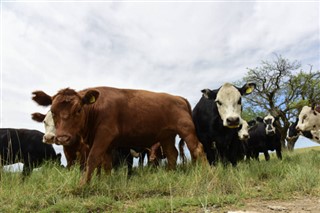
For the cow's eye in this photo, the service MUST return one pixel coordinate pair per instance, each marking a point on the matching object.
(79, 111)
(304, 118)
(218, 103)
(239, 102)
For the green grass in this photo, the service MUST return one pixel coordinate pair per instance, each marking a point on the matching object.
(190, 188)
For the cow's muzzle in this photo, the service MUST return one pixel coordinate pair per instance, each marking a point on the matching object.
(63, 139)
(48, 139)
(233, 122)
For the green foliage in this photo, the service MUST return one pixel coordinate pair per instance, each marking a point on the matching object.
(281, 90)
(190, 188)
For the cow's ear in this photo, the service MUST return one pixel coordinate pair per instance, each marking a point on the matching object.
(42, 98)
(247, 88)
(90, 97)
(38, 117)
(209, 94)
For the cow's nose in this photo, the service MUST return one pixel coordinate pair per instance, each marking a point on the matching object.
(246, 136)
(233, 121)
(48, 138)
(63, 139)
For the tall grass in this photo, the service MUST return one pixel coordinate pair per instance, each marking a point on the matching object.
(191, 188)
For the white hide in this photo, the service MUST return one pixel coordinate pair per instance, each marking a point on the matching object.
(229, 103)
(50, 130)
(309, 119)
(315, 135)
(243, 133)
(268, 121)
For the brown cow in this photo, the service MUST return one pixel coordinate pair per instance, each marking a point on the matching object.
(108, 117)
(76, 151)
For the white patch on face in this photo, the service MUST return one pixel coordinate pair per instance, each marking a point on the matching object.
(315, 135)
(50, 129)
(243, 133)
(308, 120)
(268, 121)
(228, 101)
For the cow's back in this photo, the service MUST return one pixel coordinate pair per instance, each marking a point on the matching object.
(138, 115)
(32, 143)
(20, 145)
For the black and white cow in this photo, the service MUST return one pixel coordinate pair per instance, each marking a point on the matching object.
(293, 133)
(217, 118)
(264, 136)
(25, 146)
(309, 119)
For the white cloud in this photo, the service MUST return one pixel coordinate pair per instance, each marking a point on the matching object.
(178, 48)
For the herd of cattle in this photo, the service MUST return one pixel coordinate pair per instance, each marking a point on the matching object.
(99, 128)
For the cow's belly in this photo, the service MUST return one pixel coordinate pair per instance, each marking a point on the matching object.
(137, 141)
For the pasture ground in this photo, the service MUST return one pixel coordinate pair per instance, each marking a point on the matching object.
(290, 185)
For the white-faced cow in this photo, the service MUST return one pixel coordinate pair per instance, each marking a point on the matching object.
(78, 151)
(25, 145)
(264, 136)
(293, 133)
(107, 118)
(217, 118)
(309, 118)
(74, 152)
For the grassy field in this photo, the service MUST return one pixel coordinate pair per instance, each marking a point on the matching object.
(191, 188)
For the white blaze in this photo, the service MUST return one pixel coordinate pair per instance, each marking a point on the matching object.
(229, 103)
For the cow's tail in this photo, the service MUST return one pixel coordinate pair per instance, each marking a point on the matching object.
(182, 155)
(181, 152)
(188, 105)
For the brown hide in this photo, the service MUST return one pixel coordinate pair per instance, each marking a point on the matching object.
(107, 117)
(74, 152)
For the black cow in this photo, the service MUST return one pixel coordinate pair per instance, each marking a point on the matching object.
(217, 118)
(25, 146)
(263, 137)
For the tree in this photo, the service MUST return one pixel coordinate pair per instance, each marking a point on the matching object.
(281, 91)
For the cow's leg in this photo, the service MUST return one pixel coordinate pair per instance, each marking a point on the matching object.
(279, 155)
(256, 155)
(141, 158)
(71, 156)
(188, 134)
(98, 155)
(129, 161)
(107, 162)
(27, 168)
(266, 155)
(170, 151)
(210, 150)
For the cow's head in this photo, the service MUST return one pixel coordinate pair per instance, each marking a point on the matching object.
(68, 113)
(269, 123)
(292, 131)
(243, 132)
(228, 101)
(315, 135)
(309, 119)
(50, 129)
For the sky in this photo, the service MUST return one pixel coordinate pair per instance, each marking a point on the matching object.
(176, 47)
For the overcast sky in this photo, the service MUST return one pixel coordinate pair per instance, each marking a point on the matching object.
(174, 47)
